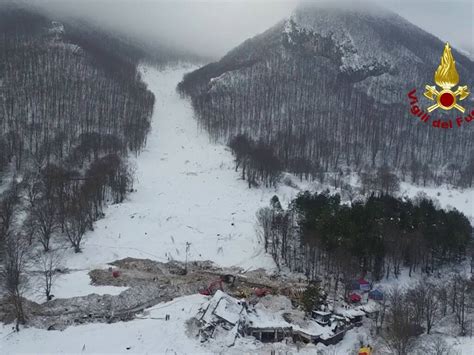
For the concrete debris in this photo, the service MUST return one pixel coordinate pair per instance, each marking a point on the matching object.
(272, 319)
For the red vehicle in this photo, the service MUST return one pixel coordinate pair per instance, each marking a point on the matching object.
(354, 298)
(212, 288)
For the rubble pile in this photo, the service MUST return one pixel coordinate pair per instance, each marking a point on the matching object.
(149, 283)
(60, 313)
(272, 319)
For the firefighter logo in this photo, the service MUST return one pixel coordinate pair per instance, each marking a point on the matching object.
(446, 77)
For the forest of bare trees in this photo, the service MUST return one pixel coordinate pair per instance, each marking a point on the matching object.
(58, 104)
(72, 107)
(290, 95)
(406, 313)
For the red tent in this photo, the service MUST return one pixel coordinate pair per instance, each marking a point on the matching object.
(364, 285)
(354, 298)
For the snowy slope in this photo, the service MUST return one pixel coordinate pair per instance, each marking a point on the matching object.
(462, 200)
(187, 191)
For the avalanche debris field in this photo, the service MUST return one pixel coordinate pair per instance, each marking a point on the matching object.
(149, 283)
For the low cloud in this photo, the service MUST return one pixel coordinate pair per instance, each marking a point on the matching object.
(213, 27)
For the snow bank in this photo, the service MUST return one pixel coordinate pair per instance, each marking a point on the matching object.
(73, 284)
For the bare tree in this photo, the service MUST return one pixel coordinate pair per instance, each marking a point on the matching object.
(349, 192)
(400, 330)
(463, 302)
(50, 263)
(425, 304)
(76, 223)
(264, 225)
(44, 220)
(436, 346)
(416, 298)
(443, 299)
(380, 314)
(387, 182)
(8, 207)
(13, 275)
(368, 183)
(432, 306)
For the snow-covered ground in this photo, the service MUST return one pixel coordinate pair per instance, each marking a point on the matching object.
(187, 192)
(462, 200)
(140, 336)
(72, 284)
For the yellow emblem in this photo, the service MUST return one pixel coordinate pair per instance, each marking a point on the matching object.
(446, 76)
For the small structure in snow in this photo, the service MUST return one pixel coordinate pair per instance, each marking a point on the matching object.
(223, 308)
(321, 317)
(361, 284)
(336, 335)
(265, 324)
(371, 310)
(354, 316)
(376, 295)
(222, 315)
(270, 334)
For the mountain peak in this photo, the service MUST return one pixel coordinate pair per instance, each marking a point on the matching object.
(370, 41)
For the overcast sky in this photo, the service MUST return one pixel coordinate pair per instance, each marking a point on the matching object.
(213, 27)
(450, 20)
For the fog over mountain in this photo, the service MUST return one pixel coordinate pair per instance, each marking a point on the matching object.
(212, 27)
(236, 176)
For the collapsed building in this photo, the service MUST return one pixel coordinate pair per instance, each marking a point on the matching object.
(272, 319)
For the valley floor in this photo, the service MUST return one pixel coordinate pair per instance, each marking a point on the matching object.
(187, 192)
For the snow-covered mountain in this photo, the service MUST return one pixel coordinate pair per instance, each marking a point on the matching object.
(316, 88)
(329, 85)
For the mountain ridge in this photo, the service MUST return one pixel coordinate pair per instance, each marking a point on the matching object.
(310, 93)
